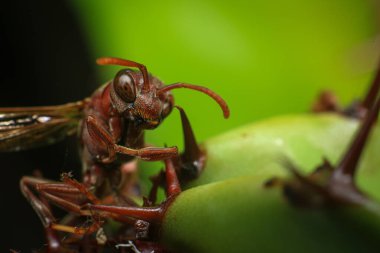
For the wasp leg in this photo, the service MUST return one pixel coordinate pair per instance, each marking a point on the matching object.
(80, 187)
(119, 200)
(42, 210)
(145, 214)
(157, 181)
(188, 165)
(60, 194)
(102, 137)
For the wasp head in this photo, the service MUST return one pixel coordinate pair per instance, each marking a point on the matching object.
(142, 98)
(137, 100)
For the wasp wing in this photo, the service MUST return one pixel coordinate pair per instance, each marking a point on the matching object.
(29, 127)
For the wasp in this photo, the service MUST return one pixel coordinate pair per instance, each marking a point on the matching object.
(110, 125)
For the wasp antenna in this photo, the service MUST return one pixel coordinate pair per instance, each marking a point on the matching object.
(127, 63)
(223, 105)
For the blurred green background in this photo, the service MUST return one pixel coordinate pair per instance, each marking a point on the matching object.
(263, 57)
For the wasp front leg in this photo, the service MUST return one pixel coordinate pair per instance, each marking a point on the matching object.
(146, 217)
(188, 164)
(109, 149)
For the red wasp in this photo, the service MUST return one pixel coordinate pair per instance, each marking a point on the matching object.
(110, 125)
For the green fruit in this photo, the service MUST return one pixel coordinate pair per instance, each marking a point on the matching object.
(228, 210)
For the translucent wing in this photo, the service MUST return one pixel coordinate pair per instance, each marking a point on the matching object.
(29, 127)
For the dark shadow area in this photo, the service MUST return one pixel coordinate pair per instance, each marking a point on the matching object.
(44, 61)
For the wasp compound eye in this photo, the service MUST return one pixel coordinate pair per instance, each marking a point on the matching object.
(168, 106)
(124, 86)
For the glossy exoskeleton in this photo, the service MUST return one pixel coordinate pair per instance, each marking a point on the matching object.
(110, 126)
